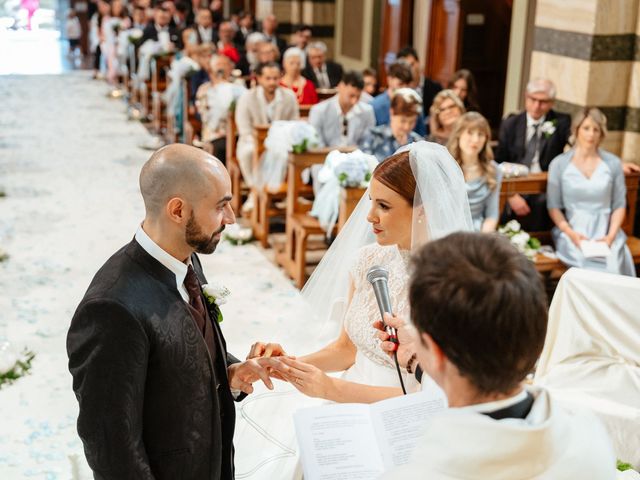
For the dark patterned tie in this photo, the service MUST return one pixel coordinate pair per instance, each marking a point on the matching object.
(532, 146)
(199, 310)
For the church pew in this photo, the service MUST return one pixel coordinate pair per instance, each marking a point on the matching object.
(537, 183)
(237, 185)
(159, 67)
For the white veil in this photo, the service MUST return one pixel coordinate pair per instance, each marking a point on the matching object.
(440, 205)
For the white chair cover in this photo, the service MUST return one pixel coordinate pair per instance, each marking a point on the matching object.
(591, 355)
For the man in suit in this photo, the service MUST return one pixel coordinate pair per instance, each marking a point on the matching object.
(245, 27)
(161, 27)
(261, 105)
(151, 372)
(533, 138)
(322, 72)
(426, 88)
(269, 27)
(343, 119)
(495, 427)
(203, 29)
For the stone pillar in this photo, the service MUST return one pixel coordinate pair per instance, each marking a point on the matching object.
(320, 15)
(591, 50)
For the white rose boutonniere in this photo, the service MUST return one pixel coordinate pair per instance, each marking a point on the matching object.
(216, 294)
(548, 128)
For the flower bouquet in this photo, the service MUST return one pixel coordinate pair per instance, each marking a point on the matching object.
(520, 239)
(237, 235)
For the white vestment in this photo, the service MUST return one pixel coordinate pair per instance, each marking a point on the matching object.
(549, 444)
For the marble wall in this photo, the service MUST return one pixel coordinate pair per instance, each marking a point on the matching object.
(591, 50)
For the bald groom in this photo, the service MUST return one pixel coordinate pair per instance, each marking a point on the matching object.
(150, 368)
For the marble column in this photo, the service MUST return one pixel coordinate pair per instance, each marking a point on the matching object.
(591, 50)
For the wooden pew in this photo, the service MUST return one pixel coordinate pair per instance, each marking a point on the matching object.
(304, 111)
(264, 200)
(191, 125)
(237, 187)
(159, 67)
(324, 93)
(537, 183)
(299, 224)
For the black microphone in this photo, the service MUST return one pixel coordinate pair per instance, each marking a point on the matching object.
(378, 277)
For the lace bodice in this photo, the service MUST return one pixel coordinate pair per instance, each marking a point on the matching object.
(363, 310)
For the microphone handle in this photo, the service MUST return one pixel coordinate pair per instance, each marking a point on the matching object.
(381, 292)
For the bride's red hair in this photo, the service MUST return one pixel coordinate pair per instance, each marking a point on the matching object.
(395, 172)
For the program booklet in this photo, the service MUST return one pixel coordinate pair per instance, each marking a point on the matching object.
(352, 441)
(594, 249)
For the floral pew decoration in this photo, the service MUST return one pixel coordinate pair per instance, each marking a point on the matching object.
(340, 170)
(284, 137)
(13, 364)
(520, 239)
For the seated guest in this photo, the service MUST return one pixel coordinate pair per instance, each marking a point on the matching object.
(293, 63)
(160, 29)
(445, 110)
(382, 141)
(463, 84)
(261, 105)
(533, 138)
(302, 37)
(586, 198)
(322, 72)
(268, 52)
(469, 145)
(183, 16)
(496, 427)
(426, 87)
(225, 44)
(370, 77)
(398, 76)
(213, 101)
(343, 119)
(249, 58)
(139, 17)
(245, 27)
(201, 33)
(269, 27)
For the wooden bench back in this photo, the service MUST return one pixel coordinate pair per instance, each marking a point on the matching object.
(324, 93)
(232, 138)
(537, 183)
(260, 133)
(190, 124)
(298, 162)
(304, 111)
(159, 67)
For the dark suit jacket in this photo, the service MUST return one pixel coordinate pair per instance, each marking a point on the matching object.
(513, 135)
(153, 403)
(151, 33)
(334, 72)
(430, 89)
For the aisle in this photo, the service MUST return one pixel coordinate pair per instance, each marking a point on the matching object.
(69, 164)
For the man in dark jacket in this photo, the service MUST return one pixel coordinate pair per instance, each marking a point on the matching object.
(151, 372)
(322, 72)
(533, 138)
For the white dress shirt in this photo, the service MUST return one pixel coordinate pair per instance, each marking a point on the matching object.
(205, 34)
(489, 407)
(178, 268)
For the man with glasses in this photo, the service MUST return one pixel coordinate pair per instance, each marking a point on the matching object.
(343, 119)
(533, 138)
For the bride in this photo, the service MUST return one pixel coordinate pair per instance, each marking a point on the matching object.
(416, 195)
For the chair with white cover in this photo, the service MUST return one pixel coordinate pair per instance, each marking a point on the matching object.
(591, 356)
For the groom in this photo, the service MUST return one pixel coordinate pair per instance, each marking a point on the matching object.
(150, 367)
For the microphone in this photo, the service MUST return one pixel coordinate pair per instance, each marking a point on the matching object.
(378, 277)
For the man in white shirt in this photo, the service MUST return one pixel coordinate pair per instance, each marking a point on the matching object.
(480, 315)
(343, 119)
(261, 105)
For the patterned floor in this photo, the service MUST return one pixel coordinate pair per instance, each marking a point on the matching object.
(69, 163)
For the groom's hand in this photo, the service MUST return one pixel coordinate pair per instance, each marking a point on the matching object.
(242, 375)
(407, 338)
(260, 349)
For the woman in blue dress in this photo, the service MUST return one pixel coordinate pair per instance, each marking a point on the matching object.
(469, 145)
(586, 198)
(383, 141)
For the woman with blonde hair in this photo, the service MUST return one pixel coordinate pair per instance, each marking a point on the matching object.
(445, 110)
(469, 146)
(586, 198)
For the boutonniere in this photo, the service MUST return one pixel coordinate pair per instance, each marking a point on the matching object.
(548, 128)
(216, 294)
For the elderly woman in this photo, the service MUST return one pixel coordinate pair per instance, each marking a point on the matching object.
(463, 84)
(586, 198)
(445, 110)
(469, 146)
(293, 61)
(382, 141)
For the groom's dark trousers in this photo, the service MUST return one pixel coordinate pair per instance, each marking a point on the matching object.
(154, 401)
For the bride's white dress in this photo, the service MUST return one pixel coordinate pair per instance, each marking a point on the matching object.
(265, 440)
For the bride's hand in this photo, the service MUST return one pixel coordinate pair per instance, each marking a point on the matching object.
(260, 349)
(307, 378)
